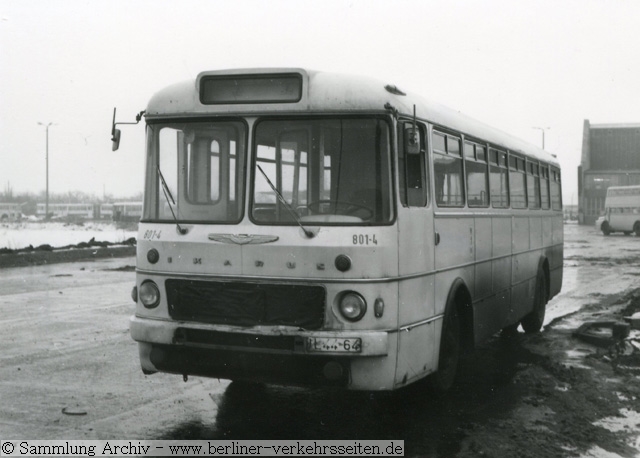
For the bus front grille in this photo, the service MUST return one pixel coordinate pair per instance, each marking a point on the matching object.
(246, 304)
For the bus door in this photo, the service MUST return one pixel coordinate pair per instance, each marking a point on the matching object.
(415, 256)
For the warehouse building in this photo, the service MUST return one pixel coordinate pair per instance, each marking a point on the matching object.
(610, 157)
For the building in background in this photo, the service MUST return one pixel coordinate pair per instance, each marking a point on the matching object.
(610, 157)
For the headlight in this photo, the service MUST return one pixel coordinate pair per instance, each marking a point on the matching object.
(149, 294)
(352, 306)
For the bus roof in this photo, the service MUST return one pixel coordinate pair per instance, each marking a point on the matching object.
(331, 93)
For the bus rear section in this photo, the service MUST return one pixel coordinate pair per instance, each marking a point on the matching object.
(621, 211)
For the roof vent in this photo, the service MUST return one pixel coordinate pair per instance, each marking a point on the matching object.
(394, 89)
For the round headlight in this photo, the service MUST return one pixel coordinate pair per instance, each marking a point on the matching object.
(352, 306)
(153, 256)
(149, 294)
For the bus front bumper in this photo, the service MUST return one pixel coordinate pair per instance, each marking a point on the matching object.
(281, 355)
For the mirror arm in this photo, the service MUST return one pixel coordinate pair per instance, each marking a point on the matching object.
(115, 133)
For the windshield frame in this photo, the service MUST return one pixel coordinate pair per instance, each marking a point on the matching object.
(153, 193)
(391, 153)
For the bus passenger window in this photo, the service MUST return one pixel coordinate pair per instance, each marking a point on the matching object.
(544, 187)
(447, 170)
(533, 185)
(556, 196)
(477, 175)
(498, 179)
(516, 182)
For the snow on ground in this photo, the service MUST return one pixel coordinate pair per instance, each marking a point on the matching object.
(58, 234)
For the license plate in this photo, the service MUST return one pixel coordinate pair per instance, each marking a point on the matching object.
(334, 345)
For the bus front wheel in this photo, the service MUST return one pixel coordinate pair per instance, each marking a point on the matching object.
(534, 320)
(606, 229)
(636, 228)
(450, 349)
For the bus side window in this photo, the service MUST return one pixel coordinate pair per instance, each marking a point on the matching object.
(447, 170)
(544, 186)
(413, 172)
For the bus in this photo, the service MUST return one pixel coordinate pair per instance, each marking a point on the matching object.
(10, 211)
(126, 211)
(621, 211)
(316, 229)
(73, 211)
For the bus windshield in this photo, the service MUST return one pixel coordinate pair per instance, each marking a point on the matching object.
(327, 171)
(195, 171)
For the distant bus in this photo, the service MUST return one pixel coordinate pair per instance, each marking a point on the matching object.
(127, 211)
(309, 228)
(10, 211)
(621, 211)
(106, 211)
(74, 211)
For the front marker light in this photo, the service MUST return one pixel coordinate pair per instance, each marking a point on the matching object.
(149, 294)
(352, 306)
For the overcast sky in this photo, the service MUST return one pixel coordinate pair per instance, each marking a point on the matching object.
(513, 64)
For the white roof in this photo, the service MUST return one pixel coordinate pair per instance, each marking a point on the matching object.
(333, 93)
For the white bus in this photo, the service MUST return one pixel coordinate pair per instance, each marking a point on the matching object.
(77, 210)
(309, 228)
(621, 211)
(126, 211)
(10, 211)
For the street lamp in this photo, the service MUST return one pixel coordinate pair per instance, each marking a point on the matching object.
(542, 129)
(46, 209)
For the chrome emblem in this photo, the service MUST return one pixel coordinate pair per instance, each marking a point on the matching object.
(243, 239)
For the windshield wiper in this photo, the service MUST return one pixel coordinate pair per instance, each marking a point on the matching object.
(306, 231)
(169, 198)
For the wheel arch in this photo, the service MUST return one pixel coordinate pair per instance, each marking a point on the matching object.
(543, 264)
(460, 297)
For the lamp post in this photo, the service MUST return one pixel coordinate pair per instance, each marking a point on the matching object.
(542, 129)
(46, 209)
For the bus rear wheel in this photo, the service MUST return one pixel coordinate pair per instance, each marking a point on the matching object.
(450, 349)
(636, 228)
(606, 229)
(534, 320)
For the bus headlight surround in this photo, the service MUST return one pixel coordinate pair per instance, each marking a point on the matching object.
(352, 306)
(149, 294)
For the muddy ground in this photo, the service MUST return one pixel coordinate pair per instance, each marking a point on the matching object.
(66, 346)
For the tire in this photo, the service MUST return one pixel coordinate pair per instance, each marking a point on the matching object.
(533, 322)
(627, 232)
(450, 349)
(510, 331)
(606, 229)
(636, 229)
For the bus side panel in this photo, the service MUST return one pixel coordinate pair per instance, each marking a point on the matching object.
(535, 232)
(556, 255)
(523, 270)
(501, 264)
(482, 285)
(416, 356)
(456, 242)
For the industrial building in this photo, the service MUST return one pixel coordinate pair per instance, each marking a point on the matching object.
(610, 157)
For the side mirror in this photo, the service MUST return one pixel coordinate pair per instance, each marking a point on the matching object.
(115, 139)
(411, 140)
(115, 133)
